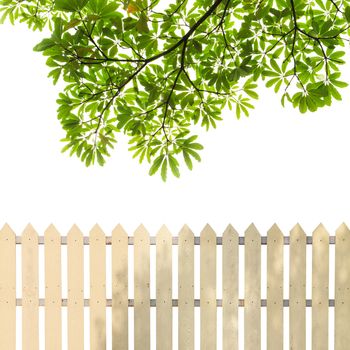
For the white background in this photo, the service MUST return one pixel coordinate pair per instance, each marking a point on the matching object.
(275, 166)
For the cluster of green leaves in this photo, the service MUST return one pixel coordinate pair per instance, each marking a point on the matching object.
(152, 73)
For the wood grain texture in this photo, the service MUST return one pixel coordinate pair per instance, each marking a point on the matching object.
(164, 289)
(119, 289)
(252, 289)
(320, 288)
(230, 289)
(186, 289)
(342, 288)
(30, 290)
(142, 340)
(75, 273)
(53, 295)
(7, 288)
(297, 289)
(208, 311)
(97, 289)
(274, 289)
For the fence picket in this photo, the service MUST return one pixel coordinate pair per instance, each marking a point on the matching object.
(230, 289)
(274, 289)
(320, 288)
(53, 295)
(119, 289)
(30, 290)
(7, 289)
(97, 289)
(208, 309)
(252, 291)
(297, 289)
(142, 289)
(75, 264)
(342, 288)
(186, 289)
(164, 289)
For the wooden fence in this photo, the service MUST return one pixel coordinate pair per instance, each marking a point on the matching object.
(208, 302)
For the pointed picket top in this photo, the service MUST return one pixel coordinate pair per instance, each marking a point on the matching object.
(186, 230)
(275, 234)
(164, 234)
(141, 233)
(230, 234)
(186, 234)
(208, 234)
(342, 232)
(6, 233)
(320, 233)
(252, 233)
(51, 233)
(29, 233)
(297, 233)
(119, 231)
(96, 233)
(74, 233)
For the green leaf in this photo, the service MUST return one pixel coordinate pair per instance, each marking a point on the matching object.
(70, 5)
(156, 164)
(347, 13)
(100, 160)
(188, 160)
(174, 166)
(164, 169)
(44, 44)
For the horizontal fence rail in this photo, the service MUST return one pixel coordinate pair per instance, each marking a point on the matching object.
(175, 302)
(175, 240)
(208, 303)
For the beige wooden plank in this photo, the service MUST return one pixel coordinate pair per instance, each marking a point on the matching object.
(230, 289)
(30, 290)
(342, 288)
(297, 289)
(75, 266)
(208, 310)
(320, 288)
(7, 289)
(142, 339)
(119, 289)
(53, 295)
(252, 289)
(274, 289)
(97, 289)
(186, 289)
(164, 289)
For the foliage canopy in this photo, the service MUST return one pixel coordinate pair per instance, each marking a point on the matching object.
(151, 72)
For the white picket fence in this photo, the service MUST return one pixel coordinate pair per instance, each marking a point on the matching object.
(186, 302)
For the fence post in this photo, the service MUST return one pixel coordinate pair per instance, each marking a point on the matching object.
(320, 288)
(7, 289)
(297, 289)
(53, 295)
(275, 288)
(119, 289)
(75, 266)
(252, 293)
(30, 289)
(186, 289)
(342, 288)
(230, 289)
(208, 307)
(97, 289)
(164, 289)
(142, 289)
